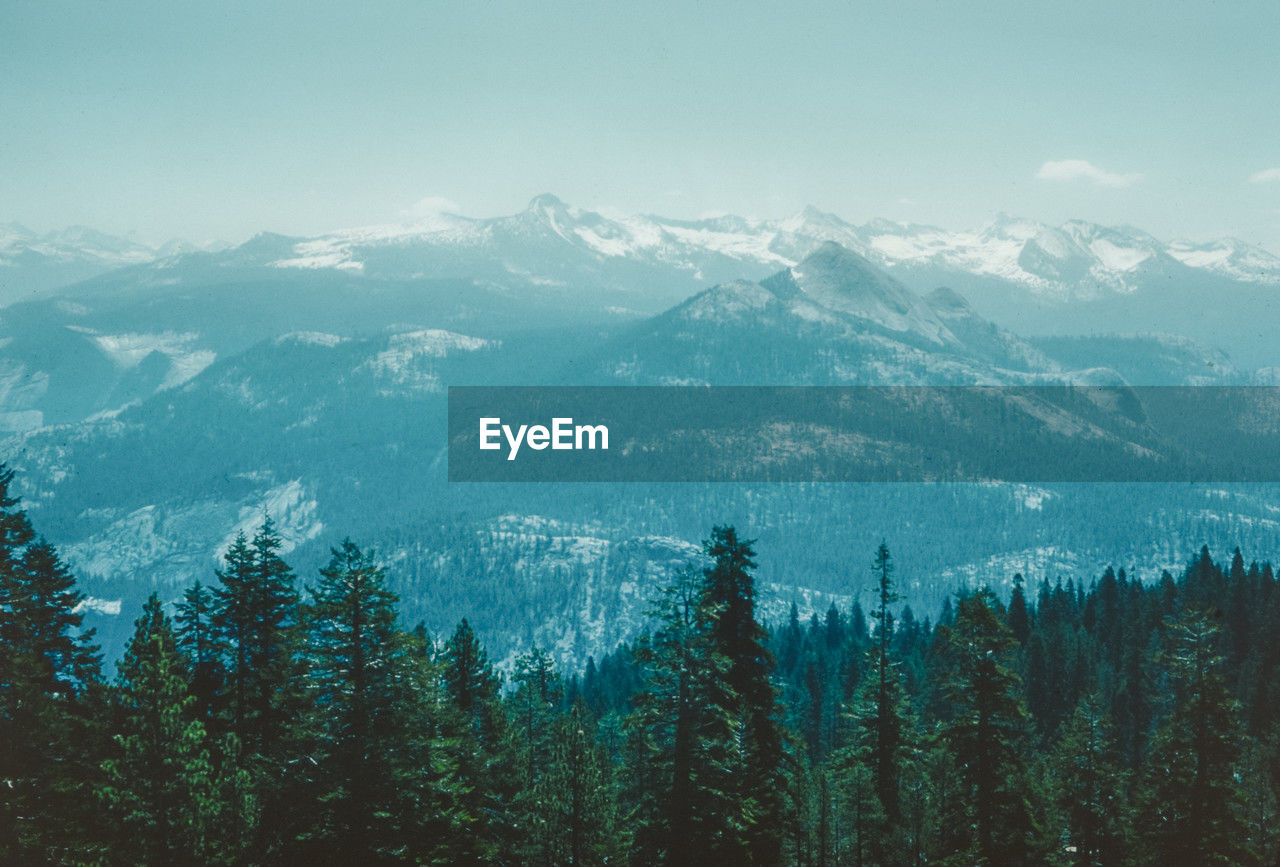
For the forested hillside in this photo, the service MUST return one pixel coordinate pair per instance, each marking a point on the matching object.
(272, 717)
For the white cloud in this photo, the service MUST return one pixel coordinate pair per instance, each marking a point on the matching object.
(432, 206)
(1083, 170)
(1265, 176)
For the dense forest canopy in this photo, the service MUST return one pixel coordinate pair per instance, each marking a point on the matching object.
(268, 717)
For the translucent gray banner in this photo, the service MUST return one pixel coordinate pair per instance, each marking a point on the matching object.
(864, 434)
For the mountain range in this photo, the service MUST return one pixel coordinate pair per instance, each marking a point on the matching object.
(31, 262)
(1075, 261)
(156, 409)
(552, 259)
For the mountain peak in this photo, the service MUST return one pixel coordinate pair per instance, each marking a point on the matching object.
(1005, 226)
(841, 280)
(832, 257)
(546, 202)
(816, 216)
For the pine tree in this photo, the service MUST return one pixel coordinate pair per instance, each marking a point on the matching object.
(275, 642)
(1019, 619)
(575, 821)
(485, 768)
(881, 723)
(1192, 801)
(357, 658)
(534, 705)
(681, 746)
(169, 802)
(47, 661)
(886, 727)
(193, 629)
(988, 731)
(1091, 787)
(231, 620)
(534, 712)
(254, 618)
(737, 636)
(430, 811)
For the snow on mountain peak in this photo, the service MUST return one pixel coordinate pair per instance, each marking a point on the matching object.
(1076, 259)
(1230, 257)
(811, 219)
(549, 209)
(1011, 228)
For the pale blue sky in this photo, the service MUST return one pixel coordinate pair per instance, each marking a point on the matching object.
(222, 119)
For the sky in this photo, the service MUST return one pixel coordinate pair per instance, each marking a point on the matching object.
(219, 120)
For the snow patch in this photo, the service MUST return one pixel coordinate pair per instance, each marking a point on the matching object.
(311, 338)
(1117, 258)
(94, 605)
(292, 512)
(322, 253)
(402, 360)
(127, 351)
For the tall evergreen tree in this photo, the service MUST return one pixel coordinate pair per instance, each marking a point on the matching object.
(681, 747)
(886, 729)
(46, 662)
(1019, 619)
(1192, 799)
(737, 636)
(534, 713)
(1092, 787)
(430, 810)
(485, 769)
(193, 629)
(357, 658)
(170, 801)
(988, 730)
(231, 620)
(254, 616)
(576, 818)
(880, 737)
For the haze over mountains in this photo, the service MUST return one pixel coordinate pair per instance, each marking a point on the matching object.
(31, 262)
(1077, 278)
(157, 407)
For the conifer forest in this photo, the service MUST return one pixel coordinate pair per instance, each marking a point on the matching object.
(270, 717)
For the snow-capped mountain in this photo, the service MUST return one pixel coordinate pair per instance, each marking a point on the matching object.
(1229, 257)
(332, 420)
(832, 318)
(1076, 259)
(75, 243)
(31, 262)
(1076, 278)
(553, 261)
